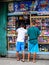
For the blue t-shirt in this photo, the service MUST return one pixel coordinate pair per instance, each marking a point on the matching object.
(33, 33)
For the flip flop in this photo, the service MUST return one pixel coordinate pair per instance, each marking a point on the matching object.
(23, 60)
(18, 59)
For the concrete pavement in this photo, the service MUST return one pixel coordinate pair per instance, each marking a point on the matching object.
(13, 61)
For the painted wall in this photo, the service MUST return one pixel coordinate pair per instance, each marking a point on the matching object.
(3, 21)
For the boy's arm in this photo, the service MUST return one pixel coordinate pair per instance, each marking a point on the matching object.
(39, 32)
(16, 31)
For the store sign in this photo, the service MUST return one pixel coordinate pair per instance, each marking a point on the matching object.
(22, 6)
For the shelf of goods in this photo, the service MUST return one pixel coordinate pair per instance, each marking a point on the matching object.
(11, 32)
(43, 38)
(24, 9)
(42, 22)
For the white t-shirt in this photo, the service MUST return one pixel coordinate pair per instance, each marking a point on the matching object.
(21, 34)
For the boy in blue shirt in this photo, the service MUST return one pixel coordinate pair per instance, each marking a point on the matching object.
(33, 34)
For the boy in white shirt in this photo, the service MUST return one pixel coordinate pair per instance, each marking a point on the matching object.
(20, 41)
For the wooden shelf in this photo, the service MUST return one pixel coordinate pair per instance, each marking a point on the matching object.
(44, 36)
(11, 26)
(39, 16)
(38, 42)
(11, 42)
(11, 35)
(10, 29)
(43, 42)
(8, 35)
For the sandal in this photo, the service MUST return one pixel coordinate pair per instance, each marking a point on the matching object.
(23, 60)
(18, 59)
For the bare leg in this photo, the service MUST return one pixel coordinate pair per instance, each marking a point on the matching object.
(34, 57)
(28, 56)
(23, 56)
(17, 54)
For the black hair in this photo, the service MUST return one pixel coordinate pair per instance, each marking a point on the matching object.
(33, 22)
(43, 19)
(22, 25)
